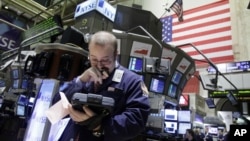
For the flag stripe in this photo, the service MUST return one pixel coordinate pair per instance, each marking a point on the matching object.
(215, 59)
(213, 54)
(211, 44)
(207, 27)
(215, 23)
(203, 33)
(205, 51)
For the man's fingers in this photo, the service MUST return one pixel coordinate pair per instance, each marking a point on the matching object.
(88, 111)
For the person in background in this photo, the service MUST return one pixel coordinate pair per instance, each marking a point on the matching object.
(208, 136)
(190, 135)
(108, 78)
(226, 136)
(198, 134)
(220, 135)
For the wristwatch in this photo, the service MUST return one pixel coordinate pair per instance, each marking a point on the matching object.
(97, 133)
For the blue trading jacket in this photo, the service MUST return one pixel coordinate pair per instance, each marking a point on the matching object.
(130, 112)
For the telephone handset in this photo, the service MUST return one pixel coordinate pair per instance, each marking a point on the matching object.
(40, 63)
(29, 65)
(65, 66)
(43, 63)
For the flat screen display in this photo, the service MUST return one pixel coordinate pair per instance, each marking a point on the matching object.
(15, 84)
(182, 127)
(38, 123)
(22, 100)
(171, 114)
(157, 85)
(135, 64)
(184, 116)
(24, 84)
(15, 73)
(176, 77)
(20, 110)
(210, 103)
(127, 18)
(170, 127)
(213, 130)
(232, 98)
(172, 91)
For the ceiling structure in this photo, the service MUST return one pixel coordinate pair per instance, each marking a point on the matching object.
(35, 12)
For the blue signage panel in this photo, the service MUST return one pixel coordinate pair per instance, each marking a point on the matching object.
(10, 37)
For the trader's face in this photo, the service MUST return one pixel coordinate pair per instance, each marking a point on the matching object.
(102, 57)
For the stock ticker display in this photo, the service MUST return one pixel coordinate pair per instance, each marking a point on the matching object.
(231, 67)
(45, 29)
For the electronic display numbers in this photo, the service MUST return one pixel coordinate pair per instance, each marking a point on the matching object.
(231, 67)
(45, 29)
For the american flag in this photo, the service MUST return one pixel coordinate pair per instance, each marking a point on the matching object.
(178, 10)
(207, 27)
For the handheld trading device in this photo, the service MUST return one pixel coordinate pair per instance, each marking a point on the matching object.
(98, 103)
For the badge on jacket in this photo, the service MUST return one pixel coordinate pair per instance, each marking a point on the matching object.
(144, 89)
(118, 75)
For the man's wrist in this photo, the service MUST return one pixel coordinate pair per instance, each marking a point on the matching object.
(98, 128)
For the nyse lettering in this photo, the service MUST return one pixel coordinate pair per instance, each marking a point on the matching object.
(41, 119)
(109, 13)
(240, 132)
(7, 43)
(88, 7)
(45, 98)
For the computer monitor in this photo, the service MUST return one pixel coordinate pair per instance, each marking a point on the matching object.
(171, 114)
(22, 100)
(176, 77)
(135, 64)
(210, 103)
(157, 84)
(15, 73)
(170, 127)
(24, 84)
(21, 103)
(127, 18)
(172, 91)
(20, 110)
(213, 130)
(232, 98)
(184, 116)
(16, 84)
(182, 127)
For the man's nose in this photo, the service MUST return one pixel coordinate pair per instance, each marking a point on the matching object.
(99, 65)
